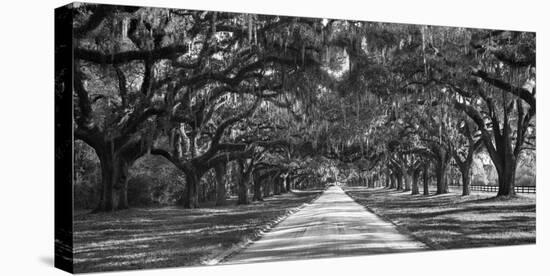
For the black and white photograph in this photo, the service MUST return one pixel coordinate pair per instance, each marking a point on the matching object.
(210, 137)
(283, 137)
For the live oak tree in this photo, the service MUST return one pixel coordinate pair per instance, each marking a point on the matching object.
(436, 146)
(463, 148)
(115, 83)
(500, 98)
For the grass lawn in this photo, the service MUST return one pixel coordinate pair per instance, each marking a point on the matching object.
(452, 220)
(170, 236)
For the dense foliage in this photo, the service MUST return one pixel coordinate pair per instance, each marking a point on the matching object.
(184, 106)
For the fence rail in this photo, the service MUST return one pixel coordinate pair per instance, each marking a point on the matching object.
(518, 189)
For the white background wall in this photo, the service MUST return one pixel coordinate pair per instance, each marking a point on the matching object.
(26, 147)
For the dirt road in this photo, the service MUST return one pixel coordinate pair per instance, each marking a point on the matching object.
(334, 225)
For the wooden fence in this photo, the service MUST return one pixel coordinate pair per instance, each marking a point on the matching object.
(518, 189)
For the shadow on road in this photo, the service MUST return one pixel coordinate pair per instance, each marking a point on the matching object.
(332, 226)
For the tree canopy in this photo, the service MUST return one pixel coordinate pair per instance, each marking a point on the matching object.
(289, 100)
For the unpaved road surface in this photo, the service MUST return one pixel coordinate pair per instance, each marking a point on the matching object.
(334, 225)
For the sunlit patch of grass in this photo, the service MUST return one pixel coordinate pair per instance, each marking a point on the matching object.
(170, 236)
(455, 221)
(493, 236)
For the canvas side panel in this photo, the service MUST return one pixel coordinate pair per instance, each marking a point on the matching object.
(63, 139)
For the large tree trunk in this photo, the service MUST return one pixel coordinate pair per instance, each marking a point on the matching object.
(220, 184)
(192, 178)
(258, 191)
(190, 197)
(442, 187)
(415, 176)
(287, 183)
(465, 172)
(504, 156)
(243, 185)
(123, 186)
(267, 186)
(393, 180)
(113, 189)
(506, 176)
(277, 185)
(408, 180)
(106, 189)
(505, 162)
(110, 174)
(399, 182)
